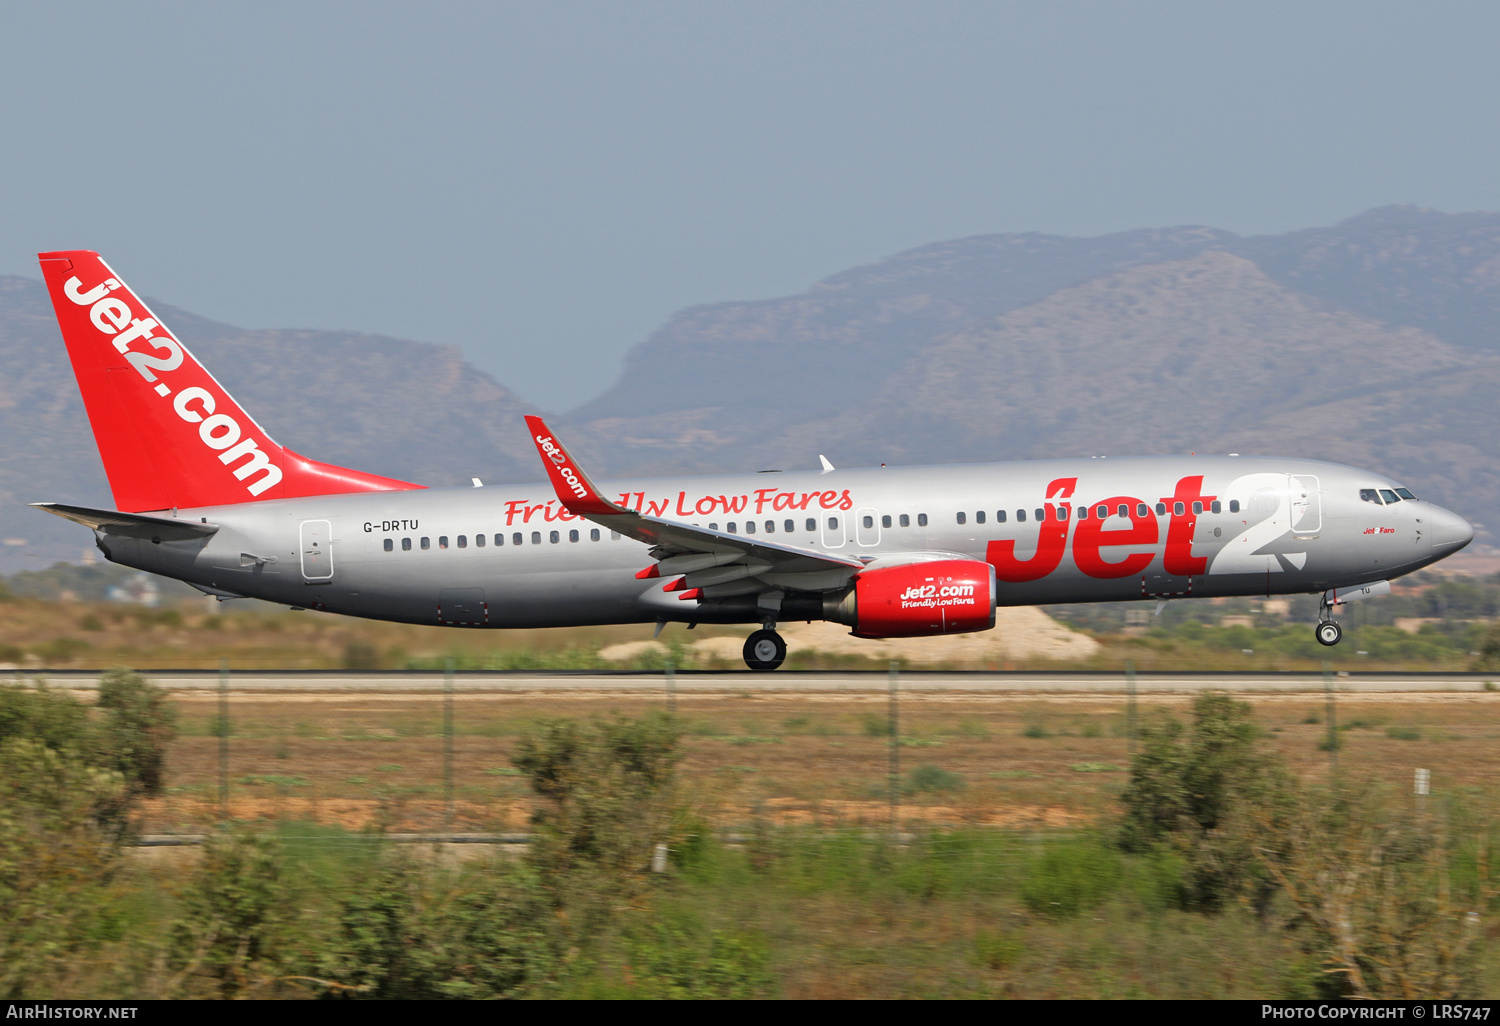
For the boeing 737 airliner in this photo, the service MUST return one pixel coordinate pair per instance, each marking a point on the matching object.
(206, 496)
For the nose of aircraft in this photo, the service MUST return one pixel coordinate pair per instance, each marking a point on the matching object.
(1449, 531)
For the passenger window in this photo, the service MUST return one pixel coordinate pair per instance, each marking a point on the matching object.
(463, 541)
(1234, 505)
(554, 537)
(536, 537)
(1161, 509)
(1102, 512)
(426, 543)
(405, 544)
(885, 521)
(1406, 494)
(1142, 510)
(869, 521)
(572, 536)
(905, 520)
(732, 528)
(921, 519)
(1197, 508)
(442, 541)
(499, 539)
(1389, 496)
(833, 523)
(1041, 515)
(749, 526)
(479, 541)
(594, 534)
(789, 526)
(1020, 516)
(961, 518)
(770, 527)
(1083, 512)
(1370, 495)
(389, 545)
(999, 516)
(1215, 506)
(812, 525)
(713, 527)
(516, 538)
(1062, 512)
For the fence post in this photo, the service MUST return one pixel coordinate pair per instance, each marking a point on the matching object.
(895, 766)
(223, 740)
(448, 741)
(1332, 717)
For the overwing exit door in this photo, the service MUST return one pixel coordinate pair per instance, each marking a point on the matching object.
(317, 550)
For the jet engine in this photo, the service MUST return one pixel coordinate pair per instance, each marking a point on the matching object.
(948, 596)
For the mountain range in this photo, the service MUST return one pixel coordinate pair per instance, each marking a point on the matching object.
(1374, 342)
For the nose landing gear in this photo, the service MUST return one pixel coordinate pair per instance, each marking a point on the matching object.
(1328, 632)
(764, 650)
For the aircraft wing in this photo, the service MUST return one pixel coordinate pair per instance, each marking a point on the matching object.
(136, 524)
(712, 560)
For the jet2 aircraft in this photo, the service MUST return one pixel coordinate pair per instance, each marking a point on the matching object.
(205, 495)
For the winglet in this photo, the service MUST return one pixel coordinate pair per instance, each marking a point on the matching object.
(574, 489)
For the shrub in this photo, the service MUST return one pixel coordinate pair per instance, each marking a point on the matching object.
(55, 854)
(232, 908)
(1203, 789)
(139, 723)
(1374, 883)
(605, 791)
(1072, 876)
(361, 655)
(931, 778)
(402, 934)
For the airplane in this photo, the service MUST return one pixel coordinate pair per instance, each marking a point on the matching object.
(206, 496)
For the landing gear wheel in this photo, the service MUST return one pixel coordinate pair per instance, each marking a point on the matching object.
(1329, 633)
(764, 650)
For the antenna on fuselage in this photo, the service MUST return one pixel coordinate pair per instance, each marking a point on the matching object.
(826, 465)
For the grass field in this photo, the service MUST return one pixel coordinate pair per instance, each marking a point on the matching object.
(1003, 761)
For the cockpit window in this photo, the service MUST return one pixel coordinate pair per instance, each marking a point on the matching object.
(1389, 496)
(1370, 495)
(1405, 493)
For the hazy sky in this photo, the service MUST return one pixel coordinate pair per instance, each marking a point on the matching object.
(543, 184)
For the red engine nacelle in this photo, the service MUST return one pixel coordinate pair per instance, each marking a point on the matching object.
(947, 596)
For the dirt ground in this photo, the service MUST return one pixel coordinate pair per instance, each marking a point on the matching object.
(377, 760)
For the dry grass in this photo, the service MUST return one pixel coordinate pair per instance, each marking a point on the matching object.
(1025, 761)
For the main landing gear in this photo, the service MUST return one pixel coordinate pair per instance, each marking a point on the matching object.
(1328, 632)
(764, 650)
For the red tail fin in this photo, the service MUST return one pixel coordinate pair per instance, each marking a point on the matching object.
(169, 434)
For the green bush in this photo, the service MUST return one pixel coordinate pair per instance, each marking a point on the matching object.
(1205, 790)
(1072, 876)
(57, 853)
(361, 655)
(605, 801)
(931, 779)
(233, 908)
(403, 933)
(139, 723)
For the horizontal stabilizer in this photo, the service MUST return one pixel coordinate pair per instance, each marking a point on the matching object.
(136, 524)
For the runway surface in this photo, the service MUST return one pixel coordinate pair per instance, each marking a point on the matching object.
(788, 682)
